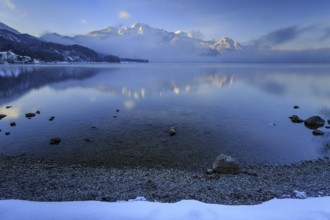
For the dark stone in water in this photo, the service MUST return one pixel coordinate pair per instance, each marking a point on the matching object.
(9, 106)
(7, 133)
(296, 119)
(114, 116)
(329, 121)
(172, 131)
(296, 107)
(314, 122)
(117, 110)
(38, 112)
(13, 124)
(87, 140)
(55, 141)
(2, 116)
(30, 115)
(327, 127)
(51, 118)
(318, 132)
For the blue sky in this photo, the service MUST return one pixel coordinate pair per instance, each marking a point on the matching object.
(296, 21)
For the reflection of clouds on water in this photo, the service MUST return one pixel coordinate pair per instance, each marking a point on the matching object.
(296, 85)
(12, 113)
(161, 87)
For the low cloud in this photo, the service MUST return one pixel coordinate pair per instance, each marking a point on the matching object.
(279, 36)
(9, 4)
(326, 34)
(83, 21)
(124, 15)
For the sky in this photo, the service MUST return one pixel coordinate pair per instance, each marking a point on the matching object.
(284, 24)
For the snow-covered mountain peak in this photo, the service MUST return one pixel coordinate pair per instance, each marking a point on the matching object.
(7, 28)
(104, 32)
(226, 43)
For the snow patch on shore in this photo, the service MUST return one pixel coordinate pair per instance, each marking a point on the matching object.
(284, 209)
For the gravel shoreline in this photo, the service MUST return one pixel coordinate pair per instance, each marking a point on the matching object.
(34, 179)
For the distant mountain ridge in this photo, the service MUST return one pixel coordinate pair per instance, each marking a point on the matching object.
(140, 39)
(25, 45)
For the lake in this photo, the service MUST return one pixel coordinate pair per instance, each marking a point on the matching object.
(121, 114)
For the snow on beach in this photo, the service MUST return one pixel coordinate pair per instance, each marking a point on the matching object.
(290, 209)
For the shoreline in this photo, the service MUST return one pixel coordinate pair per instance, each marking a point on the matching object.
(25, 178)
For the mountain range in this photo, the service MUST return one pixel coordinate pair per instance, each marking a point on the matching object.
(142, 40)
(142, 43)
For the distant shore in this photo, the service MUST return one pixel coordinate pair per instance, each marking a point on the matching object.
(46, 180)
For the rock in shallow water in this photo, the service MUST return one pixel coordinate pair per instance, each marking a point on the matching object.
(55, 141)
(314, 122)
(225, 164)
(296, 119)
(30, 115)
(318, 132)
(2, 116)
(172, 131)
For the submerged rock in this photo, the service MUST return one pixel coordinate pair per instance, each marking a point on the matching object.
(327, 127)
(7, 133)
(296, 119)
(55, 141)
(314, 122)
(2, 116)
(172, 131)
(38, 112)
(51, 118)
(329, 121)
(13, 124)
(30, 115)
(318, 132)
(9, 106)
(225, 164)
(296, 107)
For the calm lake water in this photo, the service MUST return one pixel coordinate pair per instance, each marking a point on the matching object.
(239, 110)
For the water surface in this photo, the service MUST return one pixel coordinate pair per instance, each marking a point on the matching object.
(239, 110)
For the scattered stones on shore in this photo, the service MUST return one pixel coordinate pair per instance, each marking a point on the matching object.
(2, 116)
(314, 122)
(172, 131)
(209, 171)
(30, 115)
(37, 179)
(296, 107)
(317, 132)
(13, 124)
(51, 118)
(55, 141)
(226, 165)
(296, 119)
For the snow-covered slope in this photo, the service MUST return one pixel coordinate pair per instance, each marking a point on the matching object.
(144, 40)
(276, 209)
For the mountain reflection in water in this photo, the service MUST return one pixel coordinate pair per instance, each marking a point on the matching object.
(240, 110)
